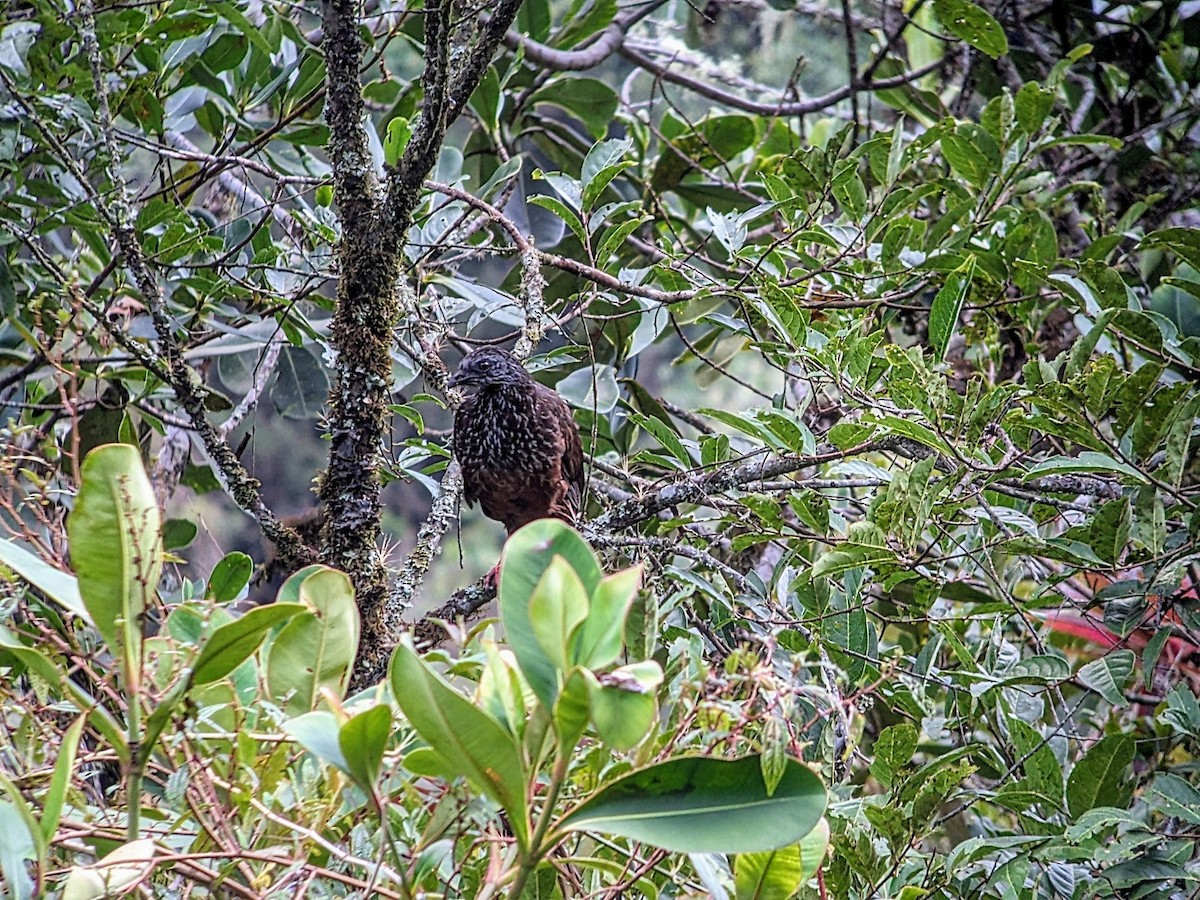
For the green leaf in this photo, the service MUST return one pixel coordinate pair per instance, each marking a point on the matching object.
(234, 642)
(947, 305)
(602, 164)
(61, 587)
(624, 703)
(893, 750)
(556, 609)
(1108, 533)
(705, 805)
(527, 555)
(591, 101)
(1183, 711)
(615, 237)
(178, 533)
(1033, 103)
(317, 732)
(572, 709)
(229, 577)
(1043, 772)
(972, 24)
(769, 874)
(115, 534)
(17, 847)
(64, 768)
(1107, 676)
(1174, 797)
(316, 649)
(470, 741)
(593, 388)
(1101, 776)
(564, 212)
(1086, 461)
(598, 642)
(966, 159)
(1038, 669)
(362, 740)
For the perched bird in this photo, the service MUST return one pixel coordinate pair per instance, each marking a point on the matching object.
(517, 443)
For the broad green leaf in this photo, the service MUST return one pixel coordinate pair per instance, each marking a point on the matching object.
(1043, 771)
(557, 608)
(1183, 711)
(600, 166)
(624, 703)
(593, 388)
(178, 533)
(893, 750)
(966, 159)
(1033, 104)
(598, 641)
(234, 642)
(1107, 676)
(572, 709)
(229, 577)
(317, 732)
(527, 555)
(974, 25)
(705, 805)
(1100, 777)
(769, 874)
(564, 212)
(115, 534)
(1108, 534)
(23, 838)
(316, 649)
(61, 587)
(947, 305)
(1174, 797)
(470, 741)
(1039, 669)
(813, 847)
(591, 101)
(362, 740)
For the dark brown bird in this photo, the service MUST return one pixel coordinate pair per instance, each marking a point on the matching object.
(517, 443)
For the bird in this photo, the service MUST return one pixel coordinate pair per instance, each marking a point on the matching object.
(517, 444)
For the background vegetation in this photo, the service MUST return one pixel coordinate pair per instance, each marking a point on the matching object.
(881, 326)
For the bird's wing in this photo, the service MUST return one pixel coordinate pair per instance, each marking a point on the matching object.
(461, 417)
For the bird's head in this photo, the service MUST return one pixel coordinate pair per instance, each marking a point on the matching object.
(489, 367)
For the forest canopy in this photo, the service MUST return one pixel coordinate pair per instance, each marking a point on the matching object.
(880, 323)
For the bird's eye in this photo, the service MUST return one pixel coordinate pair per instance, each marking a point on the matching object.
(485, 364)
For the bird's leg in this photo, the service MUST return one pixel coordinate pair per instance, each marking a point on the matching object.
(492, 578)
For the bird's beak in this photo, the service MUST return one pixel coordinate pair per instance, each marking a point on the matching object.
(460, 379)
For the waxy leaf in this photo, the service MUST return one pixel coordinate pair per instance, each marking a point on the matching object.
(706, 805)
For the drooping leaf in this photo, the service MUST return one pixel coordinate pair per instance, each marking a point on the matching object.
(61, 587)
(363, 740)
(1107, 676)
(115, 533)
(234, 642)
(973, 24)
(705, 805)
(468, 740)
(315, 650)
(1100, 778)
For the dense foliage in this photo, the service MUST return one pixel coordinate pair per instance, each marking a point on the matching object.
(881, 323)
